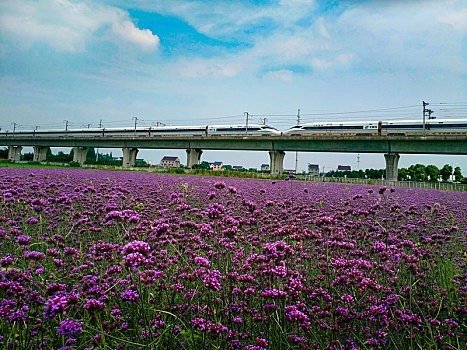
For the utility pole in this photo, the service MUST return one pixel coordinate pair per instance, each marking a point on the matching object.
(159, 124)
(35, 128)
(66, 126)
(100, 123)
(89, 125)
(263, 120)
(136, 121)
(14, 127)
(426, 112)
(296, 153)
(358, 161)
(247, 116)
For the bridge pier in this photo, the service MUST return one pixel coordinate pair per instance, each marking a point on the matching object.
(14, 153)
(40, 153)
(277, 162)
(392, 160)
(129, 157)
(79, 154)
(193, 156)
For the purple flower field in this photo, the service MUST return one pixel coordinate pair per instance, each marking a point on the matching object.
(118, 260)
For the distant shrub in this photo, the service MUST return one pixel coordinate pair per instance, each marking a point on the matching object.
(74, 164)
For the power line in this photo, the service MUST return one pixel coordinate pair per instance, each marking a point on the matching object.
(365, 111)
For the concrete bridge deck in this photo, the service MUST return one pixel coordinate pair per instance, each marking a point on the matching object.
(432, 144)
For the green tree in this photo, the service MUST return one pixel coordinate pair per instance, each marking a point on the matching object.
(458, 174)
(446, 172)
(60, 157)
(374, 173)
(91, 156)
(403, 174)
(202, 165)
(432, 172)
(27, 156)
(141, 163)
(4, 153)
(417, 172)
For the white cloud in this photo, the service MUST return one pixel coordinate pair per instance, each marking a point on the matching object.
(404, 36)
(66, 25)
(320, 63)
(142, 37)
(282, 74)
(457, 19)
(324, 31)
(341, 59)
(207, 69)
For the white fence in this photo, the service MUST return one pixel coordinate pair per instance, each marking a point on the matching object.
(444, 186)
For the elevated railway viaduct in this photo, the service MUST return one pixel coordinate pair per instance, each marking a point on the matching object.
(391, 146)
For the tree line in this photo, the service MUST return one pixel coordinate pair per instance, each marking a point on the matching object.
(92, 157)
(417, 172)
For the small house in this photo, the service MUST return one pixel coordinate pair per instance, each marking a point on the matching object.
(170, 162)
(313, 169)
(216, 166)
(265, 167)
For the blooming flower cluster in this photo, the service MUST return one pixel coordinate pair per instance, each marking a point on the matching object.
(98, 259)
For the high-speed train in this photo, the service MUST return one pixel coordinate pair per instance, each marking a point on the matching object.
(253, 129)
(401, 127)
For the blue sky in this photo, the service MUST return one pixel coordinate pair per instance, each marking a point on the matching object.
(198, 62)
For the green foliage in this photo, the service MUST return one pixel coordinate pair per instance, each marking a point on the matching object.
(91, 156)
(403, 174)
(74, 164)
(179, 170)
(432, 172)
(458, 174)
(203, 165)
(417, 172)
(358, 174)
(27, 156)
(60, 157)
(107, 159)
(446, 172)
(4, 153)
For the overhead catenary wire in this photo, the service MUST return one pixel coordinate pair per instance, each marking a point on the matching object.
(281, 119)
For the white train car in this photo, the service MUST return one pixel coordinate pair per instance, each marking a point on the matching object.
(400, 127)
(253, 129)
